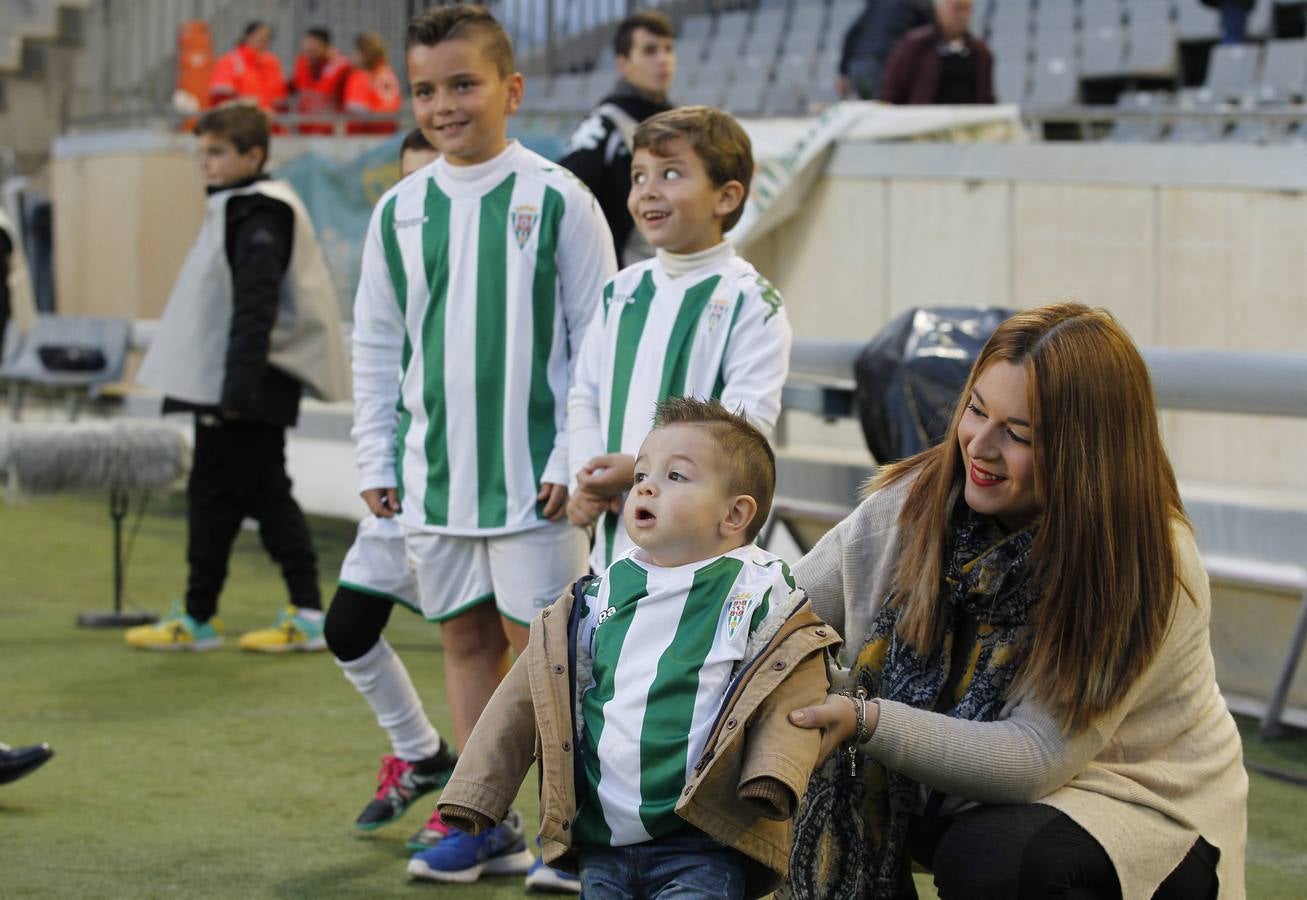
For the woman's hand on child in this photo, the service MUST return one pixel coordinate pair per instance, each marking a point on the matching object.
(608, 475)
(838, 720)
(382, 502)
(554, 498)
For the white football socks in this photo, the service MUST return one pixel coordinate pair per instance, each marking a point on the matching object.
(381, 678)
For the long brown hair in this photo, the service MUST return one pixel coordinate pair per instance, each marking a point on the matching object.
(1103, 553)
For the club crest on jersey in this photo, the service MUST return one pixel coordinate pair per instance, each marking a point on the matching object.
(524, 219)
(717, 311)
(737, 606)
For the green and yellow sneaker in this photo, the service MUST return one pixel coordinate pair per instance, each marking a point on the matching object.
(296, 629)
(177, 631)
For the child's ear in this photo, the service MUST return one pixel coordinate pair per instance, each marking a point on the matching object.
(729, 196)
(739, 516)
(516, 91)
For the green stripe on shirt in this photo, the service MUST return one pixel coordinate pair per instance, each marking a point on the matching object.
(629, 330)
(676, 361)
(542, 430)
(399, 281)
(491, 374)
(719, 386)
(435, 259)
(669, 708)
(629, 583)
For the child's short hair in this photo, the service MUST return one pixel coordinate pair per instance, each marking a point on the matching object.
(650, 20)
(240, 122)
(747, 457)
(320, 33)
(415, 140)
(717, 139)
(447, 23)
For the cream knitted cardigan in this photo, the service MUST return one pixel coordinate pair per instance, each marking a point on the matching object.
(1146, 780)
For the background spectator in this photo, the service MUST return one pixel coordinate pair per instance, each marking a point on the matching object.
(318, 79)
(1234, 19)
(941, 62)
(599, 151)
(869, 40)
(249, 70)
(372, 87)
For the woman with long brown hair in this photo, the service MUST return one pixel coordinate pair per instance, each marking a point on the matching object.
(1033, 708)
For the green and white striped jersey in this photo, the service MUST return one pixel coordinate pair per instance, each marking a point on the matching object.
(664, 644)
(718, 331)
(477, 284)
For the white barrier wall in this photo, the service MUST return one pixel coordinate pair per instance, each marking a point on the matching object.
(1187, 246)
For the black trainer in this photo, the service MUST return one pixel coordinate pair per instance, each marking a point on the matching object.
(15, 762)
(401, 782)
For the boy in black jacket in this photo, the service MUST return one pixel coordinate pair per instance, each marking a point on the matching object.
(251, 323)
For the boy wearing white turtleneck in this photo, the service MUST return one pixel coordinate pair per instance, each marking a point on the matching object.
(696, 320)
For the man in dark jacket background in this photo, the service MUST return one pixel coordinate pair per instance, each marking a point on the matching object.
(599, 151)
(941, 62)
(869, 40)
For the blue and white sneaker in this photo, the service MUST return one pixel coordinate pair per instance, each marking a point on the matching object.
(462, 858)
(543, 877)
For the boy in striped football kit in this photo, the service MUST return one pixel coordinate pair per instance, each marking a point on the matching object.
(656, 695)
(479, 275)
(696, 320)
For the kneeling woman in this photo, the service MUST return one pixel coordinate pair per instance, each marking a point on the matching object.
(1027, 617)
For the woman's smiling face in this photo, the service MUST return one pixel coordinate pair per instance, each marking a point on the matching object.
(997, 445)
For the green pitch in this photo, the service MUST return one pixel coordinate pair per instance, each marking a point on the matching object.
(231, 775)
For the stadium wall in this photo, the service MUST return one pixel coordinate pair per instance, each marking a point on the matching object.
(1188, 246)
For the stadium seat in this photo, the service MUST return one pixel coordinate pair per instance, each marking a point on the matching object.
(1054, 82)
(745, 98)
(707, 92)
(1284, 72)
(1196, 22)
(731, 29)
(1054, 17)
(767, 35)
(690, 52)
(1134, 130)
(1150, 12)
(694, 29)
(1010, 77)
(774, 4)
(1261, 20)
(1151, 50)
(1049, 43)
(785, 99)
(796, 69)
(805, 42)
(1010, 17)
(1102, 51)
(597, 85)
(752, 69)
(821, 93)
(843, 13)
(1096, 14)
(1231, 70)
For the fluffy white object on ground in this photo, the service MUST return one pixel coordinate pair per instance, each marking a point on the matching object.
(124, 455)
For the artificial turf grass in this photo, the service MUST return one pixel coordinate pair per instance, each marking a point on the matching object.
(182, 774)
(225, 774)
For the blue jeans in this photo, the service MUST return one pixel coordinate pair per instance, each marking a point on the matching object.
(679, 867)
(1234, 23)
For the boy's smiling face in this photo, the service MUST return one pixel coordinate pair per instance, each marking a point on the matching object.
(680, 509)
(460, 100)
(674, 202)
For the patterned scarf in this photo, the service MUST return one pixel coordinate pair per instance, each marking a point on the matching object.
(850, 836)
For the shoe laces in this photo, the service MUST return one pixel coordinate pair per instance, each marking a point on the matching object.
(392, 770)
(438, 825)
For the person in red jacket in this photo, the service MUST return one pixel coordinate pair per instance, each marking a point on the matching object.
(941, 62)
(249, 71)
(372, 86)
(318, 80)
